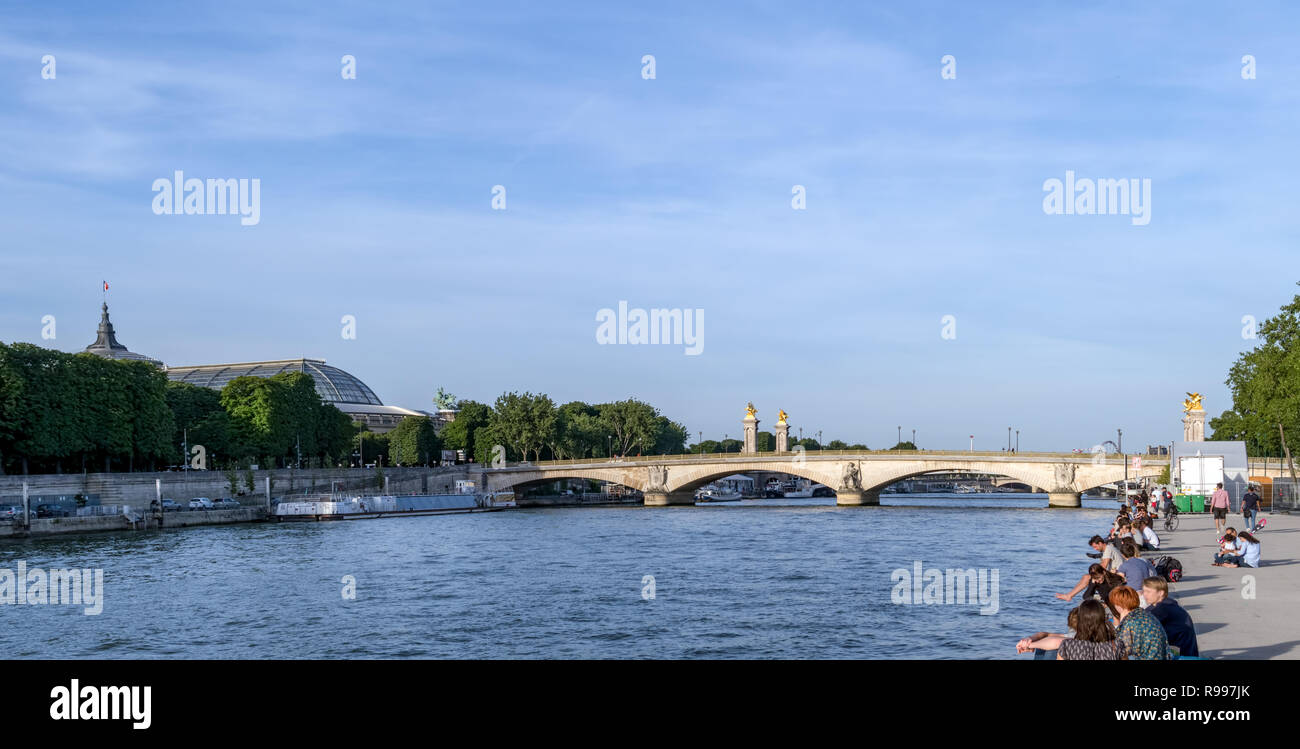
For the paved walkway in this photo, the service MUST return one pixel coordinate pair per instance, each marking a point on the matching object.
(1229, 623)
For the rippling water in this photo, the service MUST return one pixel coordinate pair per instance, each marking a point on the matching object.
(763, 579)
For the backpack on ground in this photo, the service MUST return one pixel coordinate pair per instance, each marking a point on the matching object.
(1169, 568)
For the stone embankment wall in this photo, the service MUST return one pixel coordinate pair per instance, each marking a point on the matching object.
(138, 489)
(102, 523)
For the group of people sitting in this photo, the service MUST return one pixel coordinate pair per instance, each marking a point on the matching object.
(1237, 549)
(1136, 528)
(1117, 627)
(1126, 613)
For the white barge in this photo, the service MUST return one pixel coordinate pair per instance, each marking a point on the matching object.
(337, 507)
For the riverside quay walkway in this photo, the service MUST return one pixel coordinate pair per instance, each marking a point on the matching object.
(856, 476)
(1240, 613)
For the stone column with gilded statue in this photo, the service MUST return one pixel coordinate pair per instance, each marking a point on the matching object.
(750, 425)
(1193, 419)
(782, 430)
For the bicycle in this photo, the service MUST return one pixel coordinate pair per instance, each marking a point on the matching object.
(1171, 518)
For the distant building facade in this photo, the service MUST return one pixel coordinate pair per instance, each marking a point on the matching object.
(340, 389)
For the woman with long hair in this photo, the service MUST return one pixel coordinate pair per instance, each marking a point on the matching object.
(1094, 638)
(1229, 549)
(1248, 552)
(1101, 582)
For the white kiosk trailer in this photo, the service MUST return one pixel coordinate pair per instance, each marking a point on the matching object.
(1196, 467)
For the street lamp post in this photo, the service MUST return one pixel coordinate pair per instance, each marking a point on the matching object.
(1017, 440)
(820, 446)
(972, 443)
(1008, 439)
(900, 434)
(913, 439)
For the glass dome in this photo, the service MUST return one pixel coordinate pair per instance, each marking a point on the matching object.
(333, 384)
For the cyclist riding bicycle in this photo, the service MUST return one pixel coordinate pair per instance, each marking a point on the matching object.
(1170, 511)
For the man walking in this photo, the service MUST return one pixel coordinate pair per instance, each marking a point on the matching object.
(1250, 508)
(1219, 505)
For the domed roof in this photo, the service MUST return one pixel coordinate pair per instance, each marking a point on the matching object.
(106, 344)
(332, 384)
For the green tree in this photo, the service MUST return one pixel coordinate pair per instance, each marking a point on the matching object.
(485, 441)
(459, 433)
(152, 423)
(375, 449)
(414, 441)
(730, 446)
(102, 422)
(903, 446)
(10, 398)
(337, 433)
(707, 446)
(632, 424)
(525, 421)
(670, 437)
(197, 413)
(1265, 384)
(578, 432)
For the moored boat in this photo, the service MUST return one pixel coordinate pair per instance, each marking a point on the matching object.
(341, 507)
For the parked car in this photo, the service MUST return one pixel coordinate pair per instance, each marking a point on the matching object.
(200, 503)
(9, 512)
(170, 505)
(225, 503)
(50, 511)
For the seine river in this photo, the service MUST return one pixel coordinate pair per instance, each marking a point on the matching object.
(765, 579)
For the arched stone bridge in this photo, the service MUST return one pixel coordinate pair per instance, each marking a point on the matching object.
(856, 477)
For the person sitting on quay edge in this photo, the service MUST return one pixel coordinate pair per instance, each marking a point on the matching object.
(1219, 505)
(1250, 508)
(1099, 583)
(1145, 536)
(1174, 618)
(1032, 642)
(1142, 634)
(1134, 569)
(1121, 518)
(1094, 637)
(1125, 534)
(1248, 552)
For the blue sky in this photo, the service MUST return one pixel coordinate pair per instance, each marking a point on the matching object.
(924, 199)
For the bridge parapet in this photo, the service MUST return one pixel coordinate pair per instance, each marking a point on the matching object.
(856, 476)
